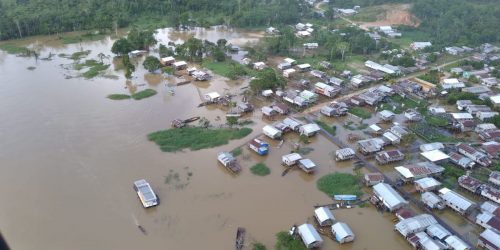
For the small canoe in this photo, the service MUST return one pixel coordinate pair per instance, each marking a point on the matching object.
(240, 238)
(192, 119)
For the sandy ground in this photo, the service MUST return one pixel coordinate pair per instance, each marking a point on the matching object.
(394, 14)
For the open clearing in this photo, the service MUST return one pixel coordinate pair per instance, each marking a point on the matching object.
(387, 14)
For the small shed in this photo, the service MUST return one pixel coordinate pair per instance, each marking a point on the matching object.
(268, 111)
(293, 123)
(212, 97)
(309, 129)
(271, 132)
(344, 154)
(167, 61)
(386, 115)
(307, 165)
(284, 65)
(310, 236)
(259, 146)
(324, 216)
(373, 179)
(267, 93)
(180, 65)
(427, 184)
(259, 66)
(288, 72)
(342, 232)
(432, 200)
(281, 108)
(290, 159)
(304, 67)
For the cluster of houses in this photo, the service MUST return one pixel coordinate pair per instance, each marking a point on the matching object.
(486, 190)
(392, 136)
(325, 220)
(290, 124)
(304, 30)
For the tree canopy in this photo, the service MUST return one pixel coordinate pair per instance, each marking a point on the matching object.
(20, 18)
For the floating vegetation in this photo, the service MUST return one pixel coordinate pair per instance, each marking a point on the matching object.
(260, 169)
(144, 94)
(13, 49)
(339, 183)
(118, 97)
(195, 138)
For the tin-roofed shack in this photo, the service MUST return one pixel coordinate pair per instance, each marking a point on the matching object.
(310, 236)
(324, 216)
(342, 232)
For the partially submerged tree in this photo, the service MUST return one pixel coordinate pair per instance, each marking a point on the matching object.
(151, 63)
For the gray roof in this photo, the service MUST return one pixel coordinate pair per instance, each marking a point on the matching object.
(145, 189)
(309, 234)
(390, 197)
(323, 214)
(342, 230)
(427, 182)
(430, 198)
(454, 198)
(437, 231)
(491, 236)
(415, 224)
(307, 163)
(456, 243)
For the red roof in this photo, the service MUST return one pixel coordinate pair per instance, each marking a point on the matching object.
(469, 183)
(466, 148)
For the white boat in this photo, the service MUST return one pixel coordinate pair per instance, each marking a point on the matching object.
(145, 193)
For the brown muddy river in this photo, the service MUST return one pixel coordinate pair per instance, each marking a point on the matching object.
(69, 156)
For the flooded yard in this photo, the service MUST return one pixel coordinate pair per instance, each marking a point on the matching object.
(69, 157)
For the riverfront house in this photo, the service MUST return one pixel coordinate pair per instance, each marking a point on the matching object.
(344, 154)
(456, 202)
(373, 179)
(290, 159)
(389, 197)
(307, 165)
(342, 232)
(310, 236)
(389, 156)
(427, 184)
(324, 216)
(271, 132)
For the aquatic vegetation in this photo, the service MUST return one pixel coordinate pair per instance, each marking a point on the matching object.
(118, 96)
(360, 112)
(144, 94)
(260, 169)
(95, 70)
(195, 138)
(258, 246)
(237, 152)
(330, 129)
(12, 48)
(77, 55)
(339, 183)
(284, 241)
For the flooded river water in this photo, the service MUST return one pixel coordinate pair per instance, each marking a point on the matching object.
(69, 156)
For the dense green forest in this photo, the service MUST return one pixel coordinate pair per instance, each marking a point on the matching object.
(448, 22)
(20, 18)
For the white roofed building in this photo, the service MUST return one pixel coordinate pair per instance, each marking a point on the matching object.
(391, 199)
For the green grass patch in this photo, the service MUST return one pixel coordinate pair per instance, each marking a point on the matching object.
(195, 138)
(237, 152)
(260, 169)
(95, 70)
(330, 129)
(451, 174)
(118, 96)
(360, 112)
(436, 121)
(284, 241)
(12, 48)
(78, 55)
(258, 246)
(144, 94)
(339, 183)
(368, 14)
(430, 133)
(228, 68)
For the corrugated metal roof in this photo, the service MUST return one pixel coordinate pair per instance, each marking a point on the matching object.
(491, 237)
(437, 231)
(323, 214)
(427, 182)
(455, 199)
(342, 230)
(308, 234)
(456, 243)
(415, 224)
(307, 163)
(390, 197)
(434, 155)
